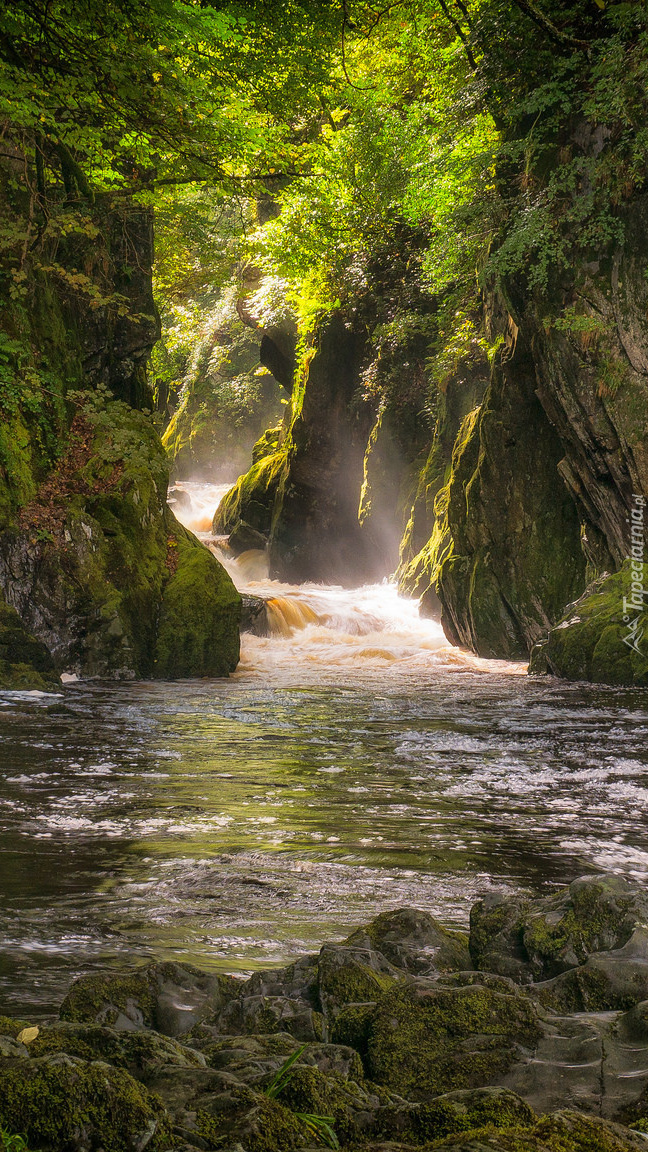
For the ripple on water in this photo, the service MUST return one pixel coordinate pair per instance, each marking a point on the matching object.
(240, 823)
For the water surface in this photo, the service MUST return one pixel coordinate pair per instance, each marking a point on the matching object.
(355, 762)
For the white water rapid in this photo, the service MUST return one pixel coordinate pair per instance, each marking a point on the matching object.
(322, 629)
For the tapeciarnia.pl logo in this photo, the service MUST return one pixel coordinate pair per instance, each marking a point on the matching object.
(635, 603)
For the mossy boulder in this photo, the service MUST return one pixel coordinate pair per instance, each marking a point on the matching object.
(451, 1113)
(352, 1107)
(200, 612)
(601, 637)
(414, 941)
(168, 997)
(539, 939)
(102, 574)
(352, 975)
(238, 1116)
(423, 1041)
(249, 503)
(607, 981)
(563, 1131)
(61, 1102)
(11, 1027)
(137, 1052)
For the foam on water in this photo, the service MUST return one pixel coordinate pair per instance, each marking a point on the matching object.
(355, 762)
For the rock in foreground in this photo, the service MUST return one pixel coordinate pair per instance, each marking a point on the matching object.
(388, 1042)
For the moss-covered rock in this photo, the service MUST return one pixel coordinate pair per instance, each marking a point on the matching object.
(539, 939)
(250, 502)
(601, 637)
(25, 663)
(607, 981)
(11, 1027)
(169, 997)
(451, 1113)
(200, 612)
(414, 941)
(562, 1132)
(249, 1119)
(61, 1102)
(352, 975)
(506, 554)
(137, 1052)
(424, 1041)
(101, 572)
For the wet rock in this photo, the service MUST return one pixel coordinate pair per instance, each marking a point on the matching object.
(244, 538)
(279, 1000)
(564, 1131)
(586, 1061)
(61, 1102)
(138, 1052)
(352, 975)
(607, 981)
(253, 1014)
(414, 941)
(169, 997)
(424, 1039)
(592, 641)
(539, 939)
(254, 617)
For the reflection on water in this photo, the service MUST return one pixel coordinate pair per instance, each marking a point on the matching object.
(237, 823)
(354, 762)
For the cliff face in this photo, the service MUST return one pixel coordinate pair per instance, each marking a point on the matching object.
(546, 472)
(302, 495)
(330, 489)
(92, 563)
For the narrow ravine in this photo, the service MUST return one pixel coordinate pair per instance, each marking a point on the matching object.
(354, 762)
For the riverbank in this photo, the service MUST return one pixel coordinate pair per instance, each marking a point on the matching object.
(529, 1033)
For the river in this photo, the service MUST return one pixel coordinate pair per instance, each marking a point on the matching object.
(354, 762)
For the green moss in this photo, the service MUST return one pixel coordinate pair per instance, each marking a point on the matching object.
(54, 1101)
(594, 919)
(352, 1027)
(137, 1052)
(254, 1120)
(252, 497)
(455, 1112)
(102, 997)
(267, 444)
(343, 980)
(25, 663)
(594, 642)
(198, 630)
(562, 1132)
(416, 1039)
(11, 1027)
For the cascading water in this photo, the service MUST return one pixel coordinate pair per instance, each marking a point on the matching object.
(316, 629)
(354, 762)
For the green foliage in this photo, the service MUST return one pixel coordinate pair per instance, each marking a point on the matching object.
(320, 1128)
(12, 1143)
(284, 1074)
